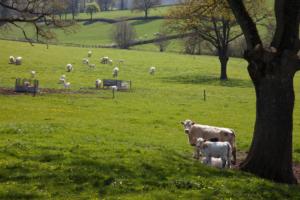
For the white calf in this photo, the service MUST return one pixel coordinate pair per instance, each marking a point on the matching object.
(214, 149)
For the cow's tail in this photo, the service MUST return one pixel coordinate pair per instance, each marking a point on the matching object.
(233, 147)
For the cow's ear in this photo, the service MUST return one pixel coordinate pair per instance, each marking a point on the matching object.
(193, 123)
(182, 123)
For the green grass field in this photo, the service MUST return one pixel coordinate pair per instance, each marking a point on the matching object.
(89, 146)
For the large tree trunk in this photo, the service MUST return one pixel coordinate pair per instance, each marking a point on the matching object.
(270, 155)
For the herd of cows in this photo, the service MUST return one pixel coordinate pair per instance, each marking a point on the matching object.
(211, 143)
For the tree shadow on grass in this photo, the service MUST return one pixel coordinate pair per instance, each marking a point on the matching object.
(141, 22)
(208, 80)
(133, 174)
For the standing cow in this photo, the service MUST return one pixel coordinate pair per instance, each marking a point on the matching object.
(195, 131)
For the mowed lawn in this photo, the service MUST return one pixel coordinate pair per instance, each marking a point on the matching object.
(82, 144)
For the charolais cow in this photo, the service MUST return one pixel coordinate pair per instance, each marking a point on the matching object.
(195, 131)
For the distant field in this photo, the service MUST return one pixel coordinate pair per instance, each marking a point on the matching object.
(89, 146)
(115, 14)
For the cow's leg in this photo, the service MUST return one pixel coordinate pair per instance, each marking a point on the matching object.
(197, 153)
(223, 162)
(208, 160)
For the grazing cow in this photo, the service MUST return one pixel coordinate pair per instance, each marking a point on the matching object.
(214, 149)
(195, 131)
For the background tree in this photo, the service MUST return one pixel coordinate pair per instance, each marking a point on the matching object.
(106, 5)
(73, 7)
(123, 34)
(144, 5)
(213, 22)
(122, 4)
(91, 9)
(272, 69)
(41, 14)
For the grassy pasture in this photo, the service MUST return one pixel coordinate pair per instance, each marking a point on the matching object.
(84, 146)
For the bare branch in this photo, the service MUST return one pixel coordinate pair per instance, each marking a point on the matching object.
(23, 31)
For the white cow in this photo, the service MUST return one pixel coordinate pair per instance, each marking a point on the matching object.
(214, 149)
(195, 131)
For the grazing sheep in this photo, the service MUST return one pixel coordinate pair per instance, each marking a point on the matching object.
(18, 60)
(69, 67)
(115, 72)
(104, 60)
(89, 53)
(114, 87)
(92, 65)
(67, 85)
(98, 83)
(110, 62)
(12, 60)
(32, 74)
(214, 149)
(62, 78)
(152, 70)
(85, 61)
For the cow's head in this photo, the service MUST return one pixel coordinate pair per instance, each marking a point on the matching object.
(187, 124)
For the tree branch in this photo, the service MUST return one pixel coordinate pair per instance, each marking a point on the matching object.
(287, 13)
(246, 22)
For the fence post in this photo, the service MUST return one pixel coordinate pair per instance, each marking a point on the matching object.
(204, 95)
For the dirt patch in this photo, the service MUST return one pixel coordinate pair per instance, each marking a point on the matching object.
(8, 91)
(242, 155)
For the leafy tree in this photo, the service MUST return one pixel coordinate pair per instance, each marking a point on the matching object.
(123, 34)
(91, 9)
(272, 69)
(213, 22)
(106, 5)
(144, 5)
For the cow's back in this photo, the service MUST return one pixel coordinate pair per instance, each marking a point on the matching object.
(207, 132)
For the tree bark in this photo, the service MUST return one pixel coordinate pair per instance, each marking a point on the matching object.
(270, 154)
(223, 61)
(223, 57)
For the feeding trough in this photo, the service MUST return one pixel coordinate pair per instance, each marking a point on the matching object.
(121, 84)
(27, 85)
